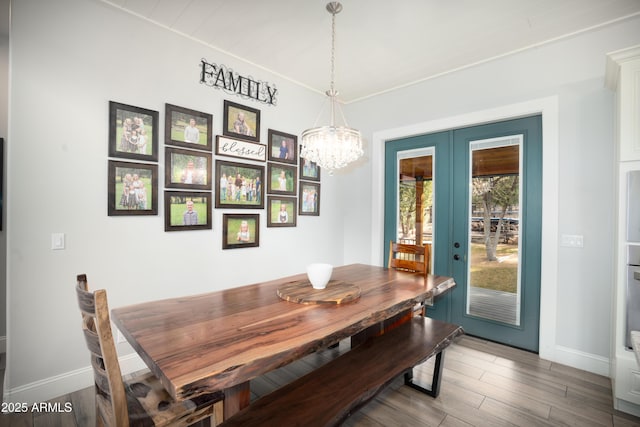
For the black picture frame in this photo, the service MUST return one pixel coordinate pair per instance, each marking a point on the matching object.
(179, 131)
(282, 147)
(279, 217)
(309, 199)
(230, 195)
(232, 227)
(187, 210)
(130, 186)
(133, 132)
(188, 169)
(282, 179)
(249, 118)
(309, 171)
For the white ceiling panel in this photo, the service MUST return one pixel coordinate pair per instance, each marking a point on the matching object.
(379, 46)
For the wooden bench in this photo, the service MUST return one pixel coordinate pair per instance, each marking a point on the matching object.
(331, 393)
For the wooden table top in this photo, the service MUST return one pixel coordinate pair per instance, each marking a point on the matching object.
(213, 341)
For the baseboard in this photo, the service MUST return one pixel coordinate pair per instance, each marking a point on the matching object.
(595, 364)
(628, 407)
(59, 385)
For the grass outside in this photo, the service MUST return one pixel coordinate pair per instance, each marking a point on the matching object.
(497, 275)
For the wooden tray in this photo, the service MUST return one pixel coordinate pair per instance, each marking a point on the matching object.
(336, 292)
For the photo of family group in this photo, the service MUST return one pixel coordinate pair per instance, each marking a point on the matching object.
(309, 198)
(239, 185)
(188, 128)
(309, 170)
(132, 189)
(132, 132)
(187, 211)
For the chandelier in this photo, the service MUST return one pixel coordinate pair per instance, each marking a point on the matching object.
(332, 147)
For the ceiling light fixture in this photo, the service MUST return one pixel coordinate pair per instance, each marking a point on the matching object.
(332, 147)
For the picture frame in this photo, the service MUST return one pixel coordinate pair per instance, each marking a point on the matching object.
(283, 147)
(187, 169)
(230, 192)
(238, 148)
(240, 231)
(184, 127)
(309, 170)
(309, 199)
(133, 132)
(282, 179)
(185, 210)
(281, 211)
(241, 121)
(132, 188)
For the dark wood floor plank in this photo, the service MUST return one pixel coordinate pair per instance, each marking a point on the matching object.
(84, 408)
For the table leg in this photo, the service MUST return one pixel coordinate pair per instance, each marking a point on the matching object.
(236, 398)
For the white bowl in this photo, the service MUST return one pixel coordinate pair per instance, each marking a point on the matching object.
(319, 274)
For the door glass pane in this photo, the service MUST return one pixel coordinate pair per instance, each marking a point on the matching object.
(493, 285)
(415, 197)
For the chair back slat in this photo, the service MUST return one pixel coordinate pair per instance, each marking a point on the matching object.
(408, 257)
(96, 324)
(93, 342)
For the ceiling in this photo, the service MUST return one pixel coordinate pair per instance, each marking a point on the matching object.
(379, 45)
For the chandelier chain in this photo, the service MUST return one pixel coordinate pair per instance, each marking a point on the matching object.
(333, 51)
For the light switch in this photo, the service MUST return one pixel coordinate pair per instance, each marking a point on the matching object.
(572, 241)
(57, 241)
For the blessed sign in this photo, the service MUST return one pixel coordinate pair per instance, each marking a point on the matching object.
(221, 77)
(241, 149)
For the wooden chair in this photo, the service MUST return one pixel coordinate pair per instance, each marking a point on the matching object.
(413, 258)
(141, 400)
(407, 257)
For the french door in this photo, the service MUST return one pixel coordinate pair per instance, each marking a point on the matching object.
(474, 195)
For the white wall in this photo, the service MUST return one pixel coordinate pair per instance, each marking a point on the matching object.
(69, 59)
(578, 285)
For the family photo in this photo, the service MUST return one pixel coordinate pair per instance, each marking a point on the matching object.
(282, 179)
(309, 198)
(241, 121)
(187, 169)
(239, 185)
(132, 132)
(240, 230)
(132, 189)
(188, 128)
(281, 212)
(283, 147)
(187, 211)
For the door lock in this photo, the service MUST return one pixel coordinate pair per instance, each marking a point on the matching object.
(456, 257)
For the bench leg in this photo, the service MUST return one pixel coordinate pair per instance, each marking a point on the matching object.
(435, 382)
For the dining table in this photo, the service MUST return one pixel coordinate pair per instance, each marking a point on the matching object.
(221, 340)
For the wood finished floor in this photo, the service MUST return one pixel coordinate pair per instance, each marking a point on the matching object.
(483, 384)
